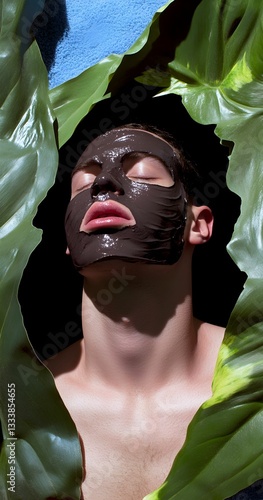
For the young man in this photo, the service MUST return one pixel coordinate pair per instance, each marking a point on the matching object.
(145, 364)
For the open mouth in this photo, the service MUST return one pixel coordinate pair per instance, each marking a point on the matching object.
(106, 215)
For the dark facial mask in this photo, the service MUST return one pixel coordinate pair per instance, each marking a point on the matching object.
(159, 212)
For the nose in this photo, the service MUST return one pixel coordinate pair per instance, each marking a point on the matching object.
(105, 183)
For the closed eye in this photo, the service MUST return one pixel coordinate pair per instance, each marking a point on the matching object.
(84, 177)
(142, 167)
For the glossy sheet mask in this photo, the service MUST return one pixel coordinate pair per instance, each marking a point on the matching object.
(107, 172)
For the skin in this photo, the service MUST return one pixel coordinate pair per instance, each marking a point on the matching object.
(139, 172)
(141, 371)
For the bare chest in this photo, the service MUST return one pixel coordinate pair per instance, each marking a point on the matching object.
(128, 454)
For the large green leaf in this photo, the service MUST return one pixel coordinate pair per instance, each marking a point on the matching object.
(215, 62)
(43, 445)
(73, 99)
(214, 49)
(221, 83)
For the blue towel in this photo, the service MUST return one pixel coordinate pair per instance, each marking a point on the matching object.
(74, 35)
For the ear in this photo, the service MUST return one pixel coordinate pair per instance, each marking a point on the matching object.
(67, 251)
(201, 225)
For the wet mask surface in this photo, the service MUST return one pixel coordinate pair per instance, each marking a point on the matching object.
(105, 186)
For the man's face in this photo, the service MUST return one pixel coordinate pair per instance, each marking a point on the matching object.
(127, 201)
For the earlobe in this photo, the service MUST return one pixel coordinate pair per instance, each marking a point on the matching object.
(67, 251)
(201, 226)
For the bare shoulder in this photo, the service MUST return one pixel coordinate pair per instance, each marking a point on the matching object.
(66, 361)
(210, 335)
(204, 329)
(209, 341)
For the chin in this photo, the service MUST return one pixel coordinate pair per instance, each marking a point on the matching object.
(108, 264)
(105, 264)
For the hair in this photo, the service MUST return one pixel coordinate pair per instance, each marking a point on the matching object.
(188, 171)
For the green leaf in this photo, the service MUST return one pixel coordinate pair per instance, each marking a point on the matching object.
(221, 83)
(210, 53)
(73, 99)
(43, 444)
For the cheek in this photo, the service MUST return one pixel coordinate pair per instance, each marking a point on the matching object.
(188, 223)
(156, 204)
(76, 210)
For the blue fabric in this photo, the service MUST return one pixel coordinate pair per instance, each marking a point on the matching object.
(75, 34)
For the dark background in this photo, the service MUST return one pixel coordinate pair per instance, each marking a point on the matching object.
(50, 290)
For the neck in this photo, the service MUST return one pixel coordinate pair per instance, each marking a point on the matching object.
(138, 328)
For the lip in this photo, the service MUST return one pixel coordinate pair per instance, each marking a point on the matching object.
(106, 214)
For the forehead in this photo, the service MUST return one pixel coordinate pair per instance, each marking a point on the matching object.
(116, 143)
